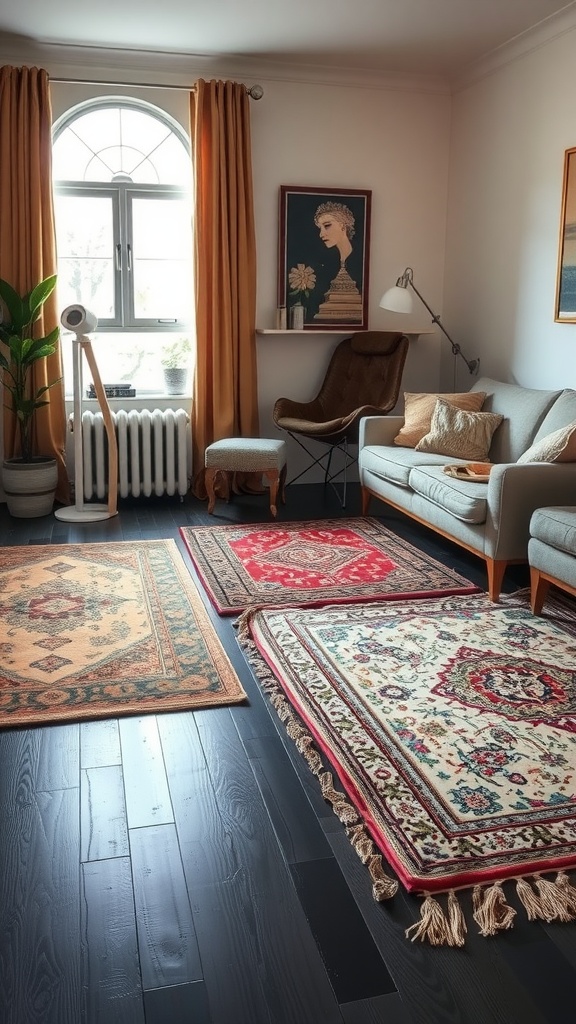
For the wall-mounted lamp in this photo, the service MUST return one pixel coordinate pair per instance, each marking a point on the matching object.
(399, 300)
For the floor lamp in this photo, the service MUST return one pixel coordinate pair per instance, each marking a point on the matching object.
(82, 322)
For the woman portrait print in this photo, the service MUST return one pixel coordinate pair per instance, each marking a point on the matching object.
(343, 299)
(326, 252)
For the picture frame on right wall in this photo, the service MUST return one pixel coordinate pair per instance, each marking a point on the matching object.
(565, 311)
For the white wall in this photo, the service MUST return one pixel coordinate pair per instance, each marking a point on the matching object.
(509, 133)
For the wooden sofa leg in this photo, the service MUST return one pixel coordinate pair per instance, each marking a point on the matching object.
(496, 569)
(365, 493)
(539, 588)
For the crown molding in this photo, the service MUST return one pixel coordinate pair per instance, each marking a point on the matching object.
(521, 46)
(180, 70)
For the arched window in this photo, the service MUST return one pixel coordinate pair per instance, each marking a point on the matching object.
(122, 183)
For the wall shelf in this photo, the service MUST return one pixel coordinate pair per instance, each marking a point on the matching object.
(290, 330)
(342, 333)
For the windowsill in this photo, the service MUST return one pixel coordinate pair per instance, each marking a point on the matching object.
(144, 398)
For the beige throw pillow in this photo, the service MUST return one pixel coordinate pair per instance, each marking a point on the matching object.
(460, 434)
(560, 446)
(418, 410)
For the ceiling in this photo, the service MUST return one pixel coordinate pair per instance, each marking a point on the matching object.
(438, 37)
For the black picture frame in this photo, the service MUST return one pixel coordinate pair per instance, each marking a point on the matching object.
(323, 260)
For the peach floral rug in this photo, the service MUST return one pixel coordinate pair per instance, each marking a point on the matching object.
(101, 630)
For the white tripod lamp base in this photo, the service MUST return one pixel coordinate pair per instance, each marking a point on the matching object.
(81, 321)
(88, 514)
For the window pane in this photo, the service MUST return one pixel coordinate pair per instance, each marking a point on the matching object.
(161, 258)
(134, 359)
(85, 241)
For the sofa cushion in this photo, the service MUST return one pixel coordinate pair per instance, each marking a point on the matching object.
(395, 464)
(555, 526)
(419, 409)
(458, 433)
(462, 499)
(559, 446)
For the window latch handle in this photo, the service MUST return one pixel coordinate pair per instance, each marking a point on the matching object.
(129, 251)
(118, 256)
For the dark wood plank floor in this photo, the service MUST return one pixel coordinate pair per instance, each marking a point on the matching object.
(184, 869)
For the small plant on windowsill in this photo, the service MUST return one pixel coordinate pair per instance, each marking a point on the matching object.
(176, 358)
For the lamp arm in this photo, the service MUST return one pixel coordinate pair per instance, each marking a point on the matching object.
(472, 364)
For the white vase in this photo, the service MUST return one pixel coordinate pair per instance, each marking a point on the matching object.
(297, 317)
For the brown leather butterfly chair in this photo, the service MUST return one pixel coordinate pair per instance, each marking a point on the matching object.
(363, 379)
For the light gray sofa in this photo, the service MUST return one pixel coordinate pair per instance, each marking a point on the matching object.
(552, 552)
(489, 519)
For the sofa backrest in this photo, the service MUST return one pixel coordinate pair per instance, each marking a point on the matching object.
(524, 411)
(561, 413)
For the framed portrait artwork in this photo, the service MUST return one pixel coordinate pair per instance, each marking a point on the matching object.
(323, 261)
(566, 277)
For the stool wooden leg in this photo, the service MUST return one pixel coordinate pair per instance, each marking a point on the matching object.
(283, 483)
(209, 475)
(273, 477)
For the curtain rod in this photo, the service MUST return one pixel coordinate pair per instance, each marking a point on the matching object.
(255, 92)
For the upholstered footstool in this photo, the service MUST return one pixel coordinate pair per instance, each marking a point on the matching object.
(552, 552)
(247, 455)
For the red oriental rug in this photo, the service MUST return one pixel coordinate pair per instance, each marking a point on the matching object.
(101, 630)
(451, 725)
(322, 561)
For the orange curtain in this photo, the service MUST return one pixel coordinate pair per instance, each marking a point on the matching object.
(225, 383)
(28, 244)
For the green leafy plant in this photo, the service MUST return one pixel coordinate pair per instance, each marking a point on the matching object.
(19, 351)
(176, 354)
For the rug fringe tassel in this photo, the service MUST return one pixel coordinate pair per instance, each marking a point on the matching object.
(433, 926)
(563, 883)
(383, 886)
(490, 910)
(346, 812)
(456, 920)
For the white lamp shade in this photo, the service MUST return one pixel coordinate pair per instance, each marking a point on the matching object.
(398, 300)
(79, 319)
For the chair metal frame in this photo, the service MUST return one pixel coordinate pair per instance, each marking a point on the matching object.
(349, 460)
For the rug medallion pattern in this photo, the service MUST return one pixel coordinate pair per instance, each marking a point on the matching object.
(313, 563)
(450, 723)
(101, 629)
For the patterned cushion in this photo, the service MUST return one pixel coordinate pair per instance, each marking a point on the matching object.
(419, 408)
(460, 434)
(559, 446)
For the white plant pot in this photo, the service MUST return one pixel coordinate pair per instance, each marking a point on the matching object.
(175, 381)
(30, 487)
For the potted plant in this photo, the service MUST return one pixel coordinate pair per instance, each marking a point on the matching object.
(175, 359)
(29, 480)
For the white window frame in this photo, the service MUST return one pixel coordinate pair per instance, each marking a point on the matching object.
(122, 194)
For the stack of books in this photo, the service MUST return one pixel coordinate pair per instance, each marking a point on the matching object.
(121, 390)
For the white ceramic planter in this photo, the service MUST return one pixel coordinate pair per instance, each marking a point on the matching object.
(175, 381)
(30, 487)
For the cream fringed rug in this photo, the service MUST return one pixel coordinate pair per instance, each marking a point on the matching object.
(100, 630)
(450, 725)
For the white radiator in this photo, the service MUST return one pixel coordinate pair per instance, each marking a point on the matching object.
(154, 452)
